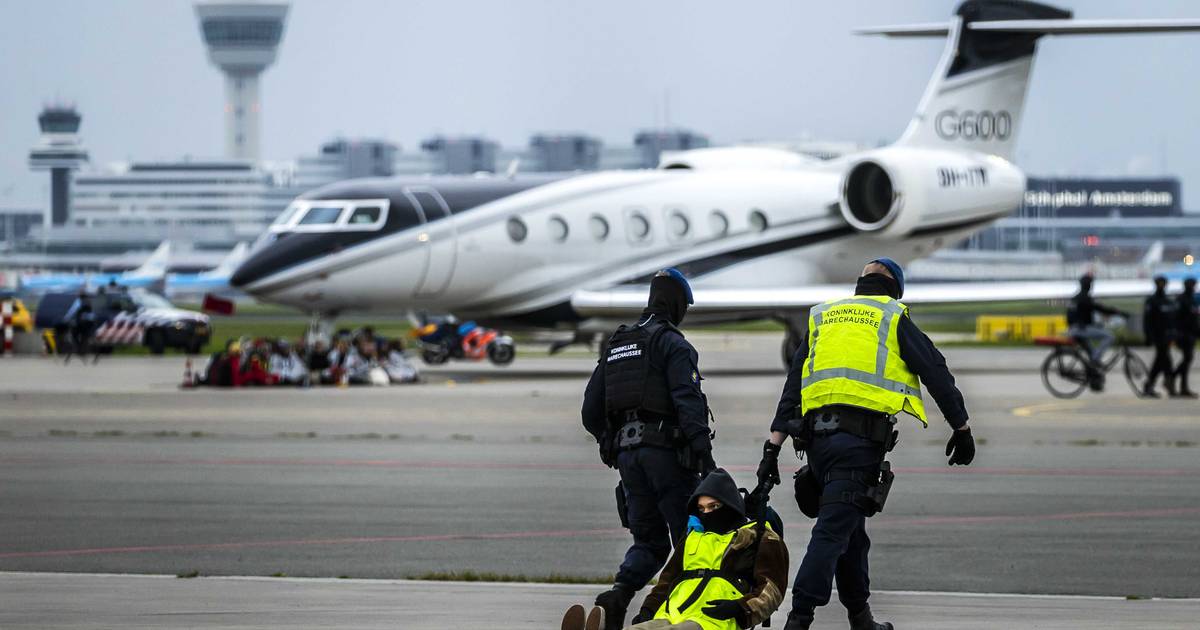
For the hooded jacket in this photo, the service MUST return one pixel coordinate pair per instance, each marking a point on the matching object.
(769, 566)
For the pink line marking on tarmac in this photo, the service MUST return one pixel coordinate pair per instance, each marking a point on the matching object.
(881, 522)
(312, 541)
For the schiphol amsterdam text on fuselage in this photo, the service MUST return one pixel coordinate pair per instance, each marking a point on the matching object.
(761, 232)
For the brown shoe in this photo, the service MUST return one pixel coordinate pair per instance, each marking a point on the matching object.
(574, 619)
(595, 619)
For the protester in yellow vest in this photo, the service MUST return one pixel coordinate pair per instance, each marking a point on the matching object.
(722, 576)
(864, 362)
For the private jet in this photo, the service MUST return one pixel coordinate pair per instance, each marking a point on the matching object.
(762, 232)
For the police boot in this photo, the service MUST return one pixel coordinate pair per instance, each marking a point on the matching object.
(862, 620)
(799, 619)
(615, 601)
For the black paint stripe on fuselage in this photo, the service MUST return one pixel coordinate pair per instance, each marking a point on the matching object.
(709, 264)
(951, 227)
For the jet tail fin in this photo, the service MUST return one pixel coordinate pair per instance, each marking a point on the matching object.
(1153, 257)
(156, 265)
(229, 263)
(977, 93)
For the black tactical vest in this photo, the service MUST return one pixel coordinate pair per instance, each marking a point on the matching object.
(631, 383)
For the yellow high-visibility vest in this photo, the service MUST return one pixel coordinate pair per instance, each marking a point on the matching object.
(854, 358)
(702, 550)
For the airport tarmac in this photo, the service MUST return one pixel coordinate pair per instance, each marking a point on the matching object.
(50, 601)
(113, 469)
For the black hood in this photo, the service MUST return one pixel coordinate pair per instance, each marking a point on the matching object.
(668, 299)
(877, 284)
(720, 486)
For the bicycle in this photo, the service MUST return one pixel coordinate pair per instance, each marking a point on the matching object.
(1069, 368)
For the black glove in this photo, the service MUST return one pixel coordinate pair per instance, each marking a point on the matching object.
(642, 617)
(607, 456)
(722, 608)
(768, 468)
(961, 447)
(706, 463)
(697, 456)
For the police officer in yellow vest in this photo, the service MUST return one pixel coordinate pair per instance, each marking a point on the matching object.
(864, 363)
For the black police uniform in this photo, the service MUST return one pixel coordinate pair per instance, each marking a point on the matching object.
(1158, 325)
(1188, 329)
(839, 543)
(644, 406)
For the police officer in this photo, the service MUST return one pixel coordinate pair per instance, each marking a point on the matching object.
(644, 406)
(859, 369)
(1187, 326)
(1158, 326)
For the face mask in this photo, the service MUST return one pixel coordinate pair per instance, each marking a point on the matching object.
(721, 520)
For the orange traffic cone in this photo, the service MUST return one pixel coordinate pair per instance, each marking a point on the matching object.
(188, 379)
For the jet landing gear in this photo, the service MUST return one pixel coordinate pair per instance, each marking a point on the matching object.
(320, 327)
(583, 338)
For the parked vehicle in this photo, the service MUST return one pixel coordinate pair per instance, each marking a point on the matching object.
(128, 318)
(467, 341)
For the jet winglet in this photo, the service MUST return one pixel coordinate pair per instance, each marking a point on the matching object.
(930, 29)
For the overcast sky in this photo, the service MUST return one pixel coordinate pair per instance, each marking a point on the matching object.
(778, 69)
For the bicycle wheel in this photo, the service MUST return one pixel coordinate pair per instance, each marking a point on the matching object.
(1136, 371)
(1064, 373)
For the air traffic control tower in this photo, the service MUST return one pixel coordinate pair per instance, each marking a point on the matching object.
(59, 152)
(242, 38)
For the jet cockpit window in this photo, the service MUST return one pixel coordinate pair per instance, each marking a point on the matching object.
(321, 215)
(351, 215)
(365, 215)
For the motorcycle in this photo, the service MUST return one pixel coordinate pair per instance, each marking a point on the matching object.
(467, 342)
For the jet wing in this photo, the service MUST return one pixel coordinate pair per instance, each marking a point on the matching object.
(624, 301)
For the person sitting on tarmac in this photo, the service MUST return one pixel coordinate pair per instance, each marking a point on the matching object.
(399, 369)
(722, 576)
(253, 368)
(285, 365)
(222, 365)
(362, 364)
(336, 361)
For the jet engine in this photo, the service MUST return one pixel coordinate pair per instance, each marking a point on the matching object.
(896, 191)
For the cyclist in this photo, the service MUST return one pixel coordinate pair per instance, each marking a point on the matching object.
(1085, 329)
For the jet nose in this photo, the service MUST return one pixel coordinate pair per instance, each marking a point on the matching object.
(242, 276)
(268, 256)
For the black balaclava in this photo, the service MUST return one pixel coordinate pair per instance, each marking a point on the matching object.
(878, 284)
(1085, 285)
(721, 520)
(668, 299)
(1189, 286)
(732, 513)
(1160, 285)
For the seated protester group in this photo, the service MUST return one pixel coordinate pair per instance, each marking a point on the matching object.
(354, 359)
(724, 575)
